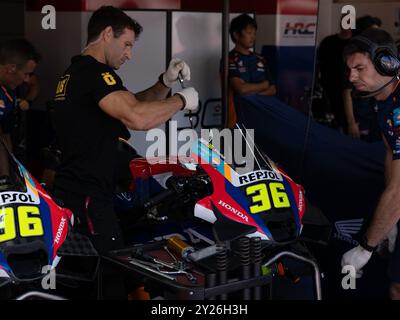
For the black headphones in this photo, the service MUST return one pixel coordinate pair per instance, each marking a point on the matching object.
(384, 57)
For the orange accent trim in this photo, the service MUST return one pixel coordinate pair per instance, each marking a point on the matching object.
(227, 172)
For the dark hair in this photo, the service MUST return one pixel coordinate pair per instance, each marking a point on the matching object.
(378, 37)
(18, 51)
(110, 16)
(240, 23)
(365, 22)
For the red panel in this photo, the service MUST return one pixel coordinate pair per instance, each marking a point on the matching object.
(136, 4)
(290, 7)
(91, 5)
(257, 6)
(74, 5)
(298, 7)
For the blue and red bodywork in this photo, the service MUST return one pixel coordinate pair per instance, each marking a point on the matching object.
(229, 197)
(44, 224)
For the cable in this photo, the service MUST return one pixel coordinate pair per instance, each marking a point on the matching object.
(307, 132)
(365, 95)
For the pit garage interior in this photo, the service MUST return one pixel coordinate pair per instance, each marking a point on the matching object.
(328, 179)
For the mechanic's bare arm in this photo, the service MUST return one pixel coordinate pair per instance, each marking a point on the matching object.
(154, 93)
(138, 115)
(241, 87)
(387, 212)
(271, 91)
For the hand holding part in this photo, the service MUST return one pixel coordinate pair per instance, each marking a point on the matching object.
(175, 67)
(357, 257)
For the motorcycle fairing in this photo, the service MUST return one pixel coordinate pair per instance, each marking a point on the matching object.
(27, 206)
(230, 200)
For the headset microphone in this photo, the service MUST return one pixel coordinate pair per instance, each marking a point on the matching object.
(365, 95)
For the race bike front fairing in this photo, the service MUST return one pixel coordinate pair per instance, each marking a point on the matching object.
(256, 199)
(33, 227)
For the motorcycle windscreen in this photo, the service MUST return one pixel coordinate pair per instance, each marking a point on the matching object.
(253, 192)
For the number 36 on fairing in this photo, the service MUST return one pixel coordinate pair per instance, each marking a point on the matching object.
(29, 222)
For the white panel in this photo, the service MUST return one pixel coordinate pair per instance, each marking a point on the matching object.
(324, 19)
(196, 38)
(148, 62)
(386, 11)
(266, 32)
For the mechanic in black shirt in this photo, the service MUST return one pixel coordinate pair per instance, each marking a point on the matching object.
(92, 109)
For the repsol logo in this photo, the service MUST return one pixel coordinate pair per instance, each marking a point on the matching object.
(299, 28)
(15, 197)
(60, 230)
(259, 175)
(233, 210)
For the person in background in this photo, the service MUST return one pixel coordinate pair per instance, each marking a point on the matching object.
(18, 60)
(332, 72)
(248, 71)
(361, 112)
(372, 59)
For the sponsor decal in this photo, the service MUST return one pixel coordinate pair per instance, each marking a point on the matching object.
(396, 117)
(109, 79)
(16, 197)
(346, 229)
(60, 230)
(233, 210)
(297, 30)
(256, 176)
(62, 87)
(301, 203)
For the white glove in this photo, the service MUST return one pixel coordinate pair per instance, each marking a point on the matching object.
(356, 257)
(190, 97)
(171, 75)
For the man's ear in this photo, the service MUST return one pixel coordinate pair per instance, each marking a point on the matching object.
(236, 36)
(108, 33)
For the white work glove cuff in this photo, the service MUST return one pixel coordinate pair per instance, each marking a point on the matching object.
(357, 257)
(190, 97)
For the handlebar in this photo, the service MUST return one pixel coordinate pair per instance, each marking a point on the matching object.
(160, 197)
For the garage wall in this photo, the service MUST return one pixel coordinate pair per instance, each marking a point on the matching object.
(56, 48)
(12, 19)
(329, 13)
